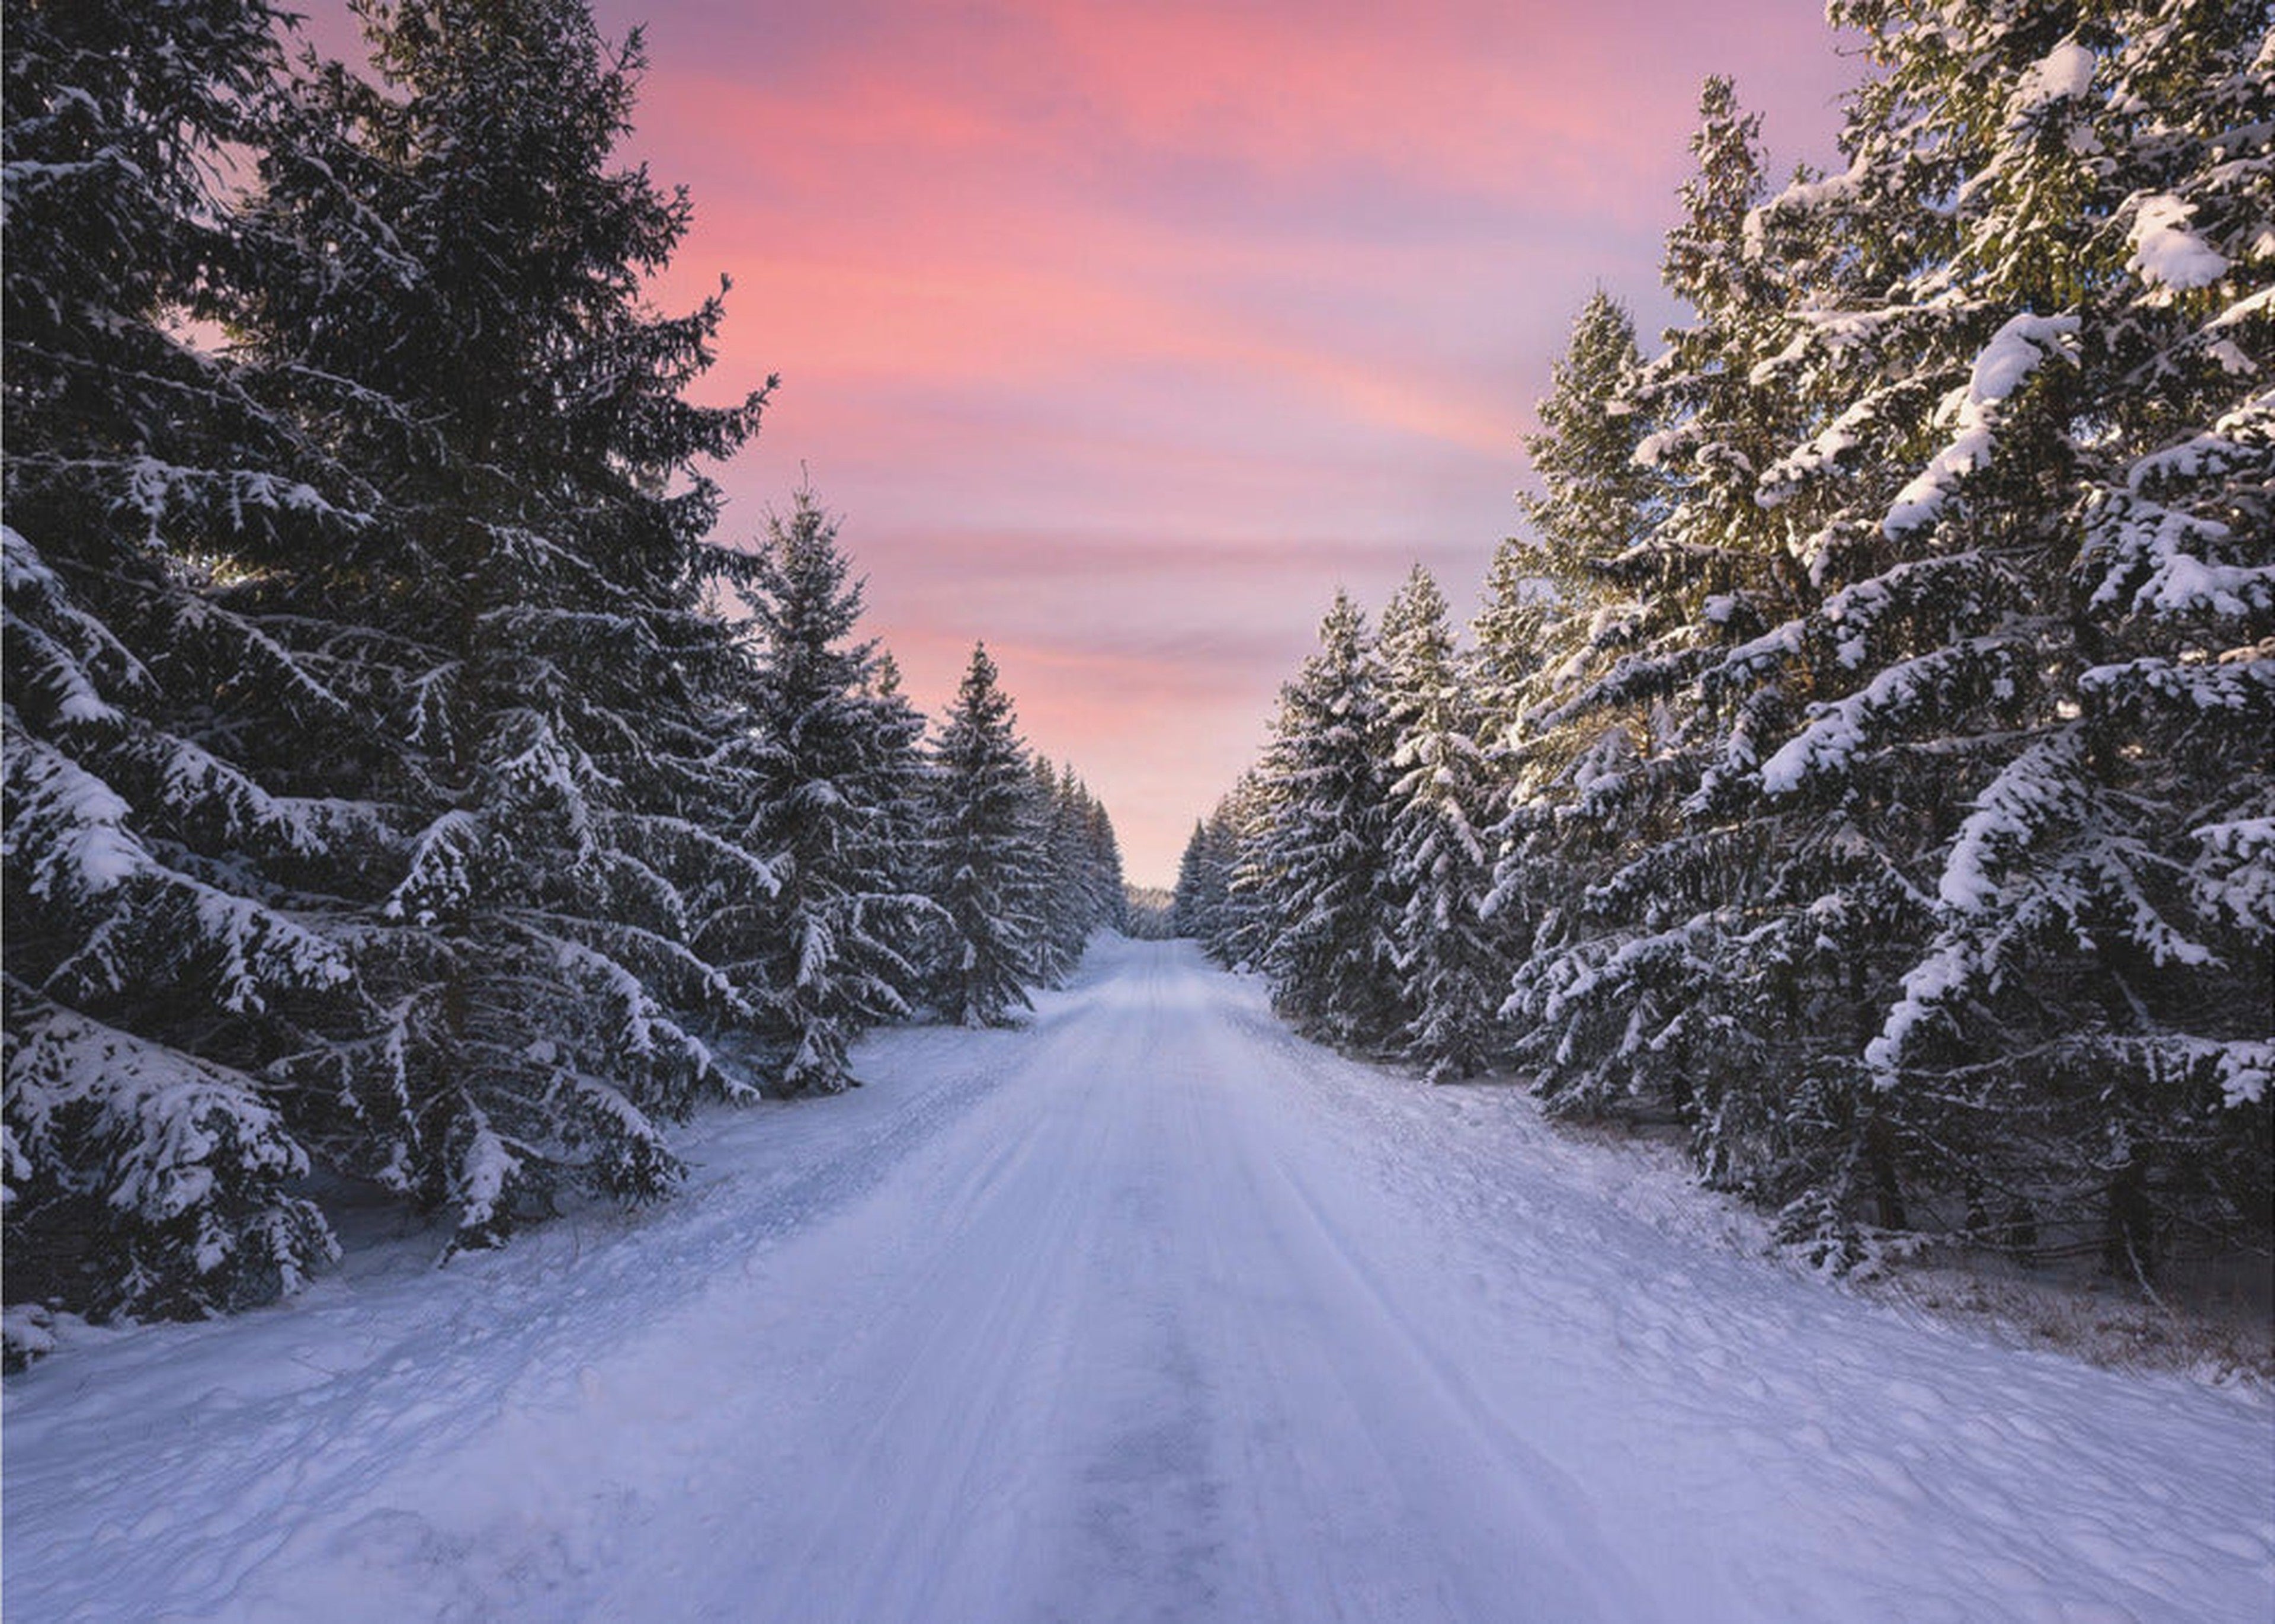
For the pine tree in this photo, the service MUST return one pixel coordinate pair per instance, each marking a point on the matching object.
(987, 875)
(1061, 896)
(1105, 893)
(1439, 869)
(1634, 909)
(831, 761)
(450, 288)
(1565, 605)
(1317, 865)
(1563, 601)
(1190, 909)
(172, 962)
(2076, 733)
(1085, 862)
(905, 784)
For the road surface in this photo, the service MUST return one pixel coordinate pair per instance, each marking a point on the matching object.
(1149, 1311)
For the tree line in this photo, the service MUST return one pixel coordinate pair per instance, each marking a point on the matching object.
(403, 786)
(1864, 760)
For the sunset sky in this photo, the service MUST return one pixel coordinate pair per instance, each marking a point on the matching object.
(1119, 335)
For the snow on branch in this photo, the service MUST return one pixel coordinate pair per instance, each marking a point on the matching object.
(2026, 342)
(2167, 253)
(64, 823)
(440, 882)
(2038, 787)
(164, 1135)
(1837, 731)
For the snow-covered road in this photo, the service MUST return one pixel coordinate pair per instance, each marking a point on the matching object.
(1149, 1311)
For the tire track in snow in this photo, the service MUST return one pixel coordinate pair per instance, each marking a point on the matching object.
(1149, 1313)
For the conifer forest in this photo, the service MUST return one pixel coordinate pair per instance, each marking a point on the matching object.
(1863, 757)
(407, 781)
(1716, 1068)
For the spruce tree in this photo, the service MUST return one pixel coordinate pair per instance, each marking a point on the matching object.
(1439, 870)
(2045, 651)
(1317, 864)
(1566, 603)
(1634, 909)
(1104, 891)
(1062, 895)
(1189, 909)
(905, 784)
(174, 961)
(1238, 927)
(451, 288)
(1566, 599)
(828, 955)
(986, 857)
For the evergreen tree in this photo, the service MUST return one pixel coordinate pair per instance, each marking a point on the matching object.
(2043, 659)
(1204, 906)
(1564, 604)
(1061, 894)
(1635, 909)
(831, 761)
(1102, 883)
(985, 855)
(1239, 928)
(1439, 870)
(1563, 601)
(172, 961)
(1318, 863)
(904, 778)
(1190, 911)
(451, 289)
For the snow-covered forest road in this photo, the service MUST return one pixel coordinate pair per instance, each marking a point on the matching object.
(1149, 1311)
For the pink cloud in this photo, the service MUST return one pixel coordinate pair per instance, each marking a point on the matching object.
(1082, 311)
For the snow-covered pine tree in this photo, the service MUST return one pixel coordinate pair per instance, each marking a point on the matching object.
(1815, 901)
(1080, 870)
(1564, 604)
(1316, 863)
(1564, 600)
(1198, 878)
(2049, 586)
(985, 855)
(1439, 870)
(1105, 891)
(451, 289)
(1086, 858)
(168, 950)
(1204, 907)
(904, 769)
(1061, 894)
(829, 950)
(1240, 932)
(1619, 1003)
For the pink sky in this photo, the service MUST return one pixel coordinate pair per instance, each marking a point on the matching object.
(1121, 335)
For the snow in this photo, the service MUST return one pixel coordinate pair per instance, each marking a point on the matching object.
(2065, 71)
(2166, 253)
(90, 850)
(2017, 350)
(1148, 1310)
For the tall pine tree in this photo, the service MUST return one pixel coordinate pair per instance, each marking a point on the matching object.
(1317, 857)
(987, 875)
(451, 288)
(1438, 872)
(172, 948)
(830, 949)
